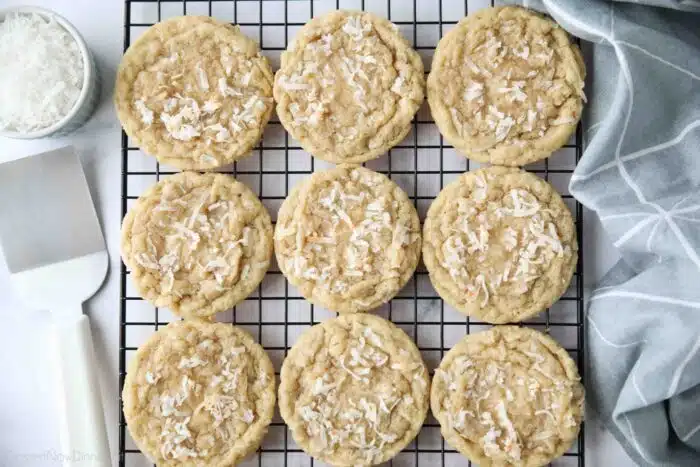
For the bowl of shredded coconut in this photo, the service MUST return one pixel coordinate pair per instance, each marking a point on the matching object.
(48, 81)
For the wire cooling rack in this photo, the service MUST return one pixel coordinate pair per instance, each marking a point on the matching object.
(422, 164)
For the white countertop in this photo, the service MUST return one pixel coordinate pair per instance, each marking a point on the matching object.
(28, 419)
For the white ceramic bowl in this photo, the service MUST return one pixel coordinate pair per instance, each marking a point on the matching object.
(89, 95)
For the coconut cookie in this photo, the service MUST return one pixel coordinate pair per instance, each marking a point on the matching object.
(348, 238)
(348, 86)
(508, 396)
(499, 244)
(194, 92)
(199, 393)
(197, 243)
(506, 86)
(354, 390)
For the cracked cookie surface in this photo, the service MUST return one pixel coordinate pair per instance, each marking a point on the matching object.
(194, 92)
(500, 244)
(348, 238)
(354, 390)
(506, 86)
(197, 243)
(348, 86)
(199, 394)
(508, 396)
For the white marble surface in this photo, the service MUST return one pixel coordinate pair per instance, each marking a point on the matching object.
(28, 419)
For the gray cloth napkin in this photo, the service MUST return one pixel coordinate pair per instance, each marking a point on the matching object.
(641, 174)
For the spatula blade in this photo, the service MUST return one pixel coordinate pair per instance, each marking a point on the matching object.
(46, 211)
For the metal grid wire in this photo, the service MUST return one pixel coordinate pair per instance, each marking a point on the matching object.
(422, 164)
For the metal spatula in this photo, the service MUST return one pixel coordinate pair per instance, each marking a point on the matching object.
(56, 255)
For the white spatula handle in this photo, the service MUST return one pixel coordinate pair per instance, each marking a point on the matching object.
(83, 435)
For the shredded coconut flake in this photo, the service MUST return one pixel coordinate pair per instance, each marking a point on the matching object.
(398, 82)
(516, 93)
(511, 444)
(294, 83)
(477, 69)
(150, 379)
(327, 43)
(226, 62)
(210, 106)
(355, 28)
(202, 77)
(479, 192)
(146, 113)
(523, 52)
(510, 239)
(226, 90)
(503, 128)
(191, 362)
(474, 91)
